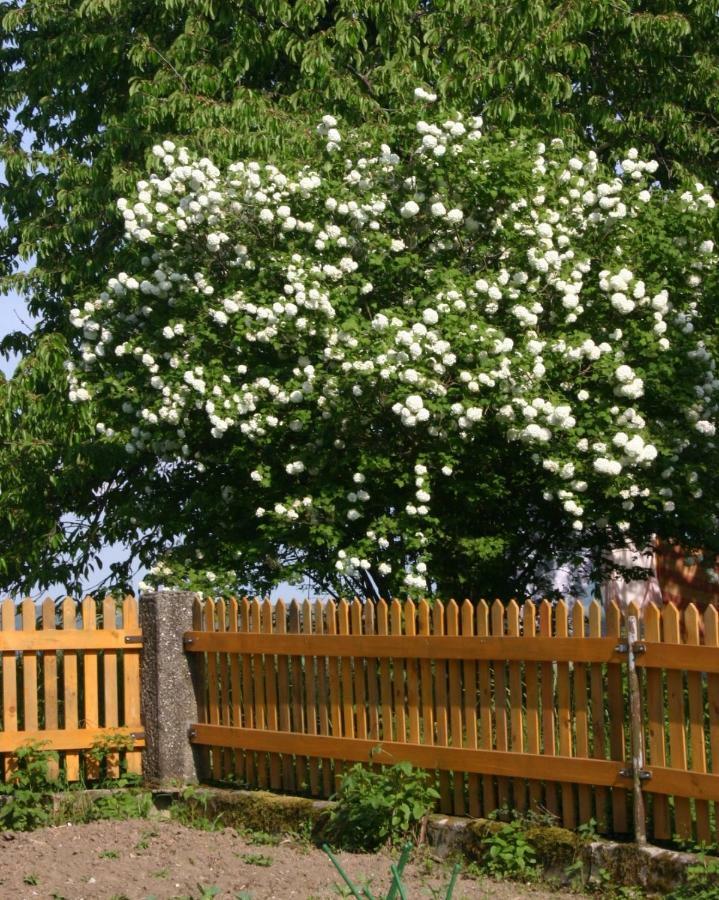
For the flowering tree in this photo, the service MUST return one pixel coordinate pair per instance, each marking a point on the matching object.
(428, 359)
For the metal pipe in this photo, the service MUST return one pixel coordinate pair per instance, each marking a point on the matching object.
(636, 733)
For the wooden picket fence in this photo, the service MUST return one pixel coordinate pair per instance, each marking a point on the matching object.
(520, 707)
(70, 678)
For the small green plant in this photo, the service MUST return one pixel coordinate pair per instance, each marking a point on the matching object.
(192, 811)
(376, 807)
(208, 892)
(104, 755)
(702, 883)
(145, 839)
(257, 859)
(120, 806)
(261, 838)
(508, 854)
(26, 792)
(109, 854)
(588, 830)
(31, 879)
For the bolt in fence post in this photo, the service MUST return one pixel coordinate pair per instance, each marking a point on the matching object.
(168, 684)
(636, 733)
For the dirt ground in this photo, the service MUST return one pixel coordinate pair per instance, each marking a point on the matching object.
(159, 860)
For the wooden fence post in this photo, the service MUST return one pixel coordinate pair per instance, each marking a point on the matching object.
(169, 703)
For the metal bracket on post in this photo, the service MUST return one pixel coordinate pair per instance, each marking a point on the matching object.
(637, 648)
(628, 772)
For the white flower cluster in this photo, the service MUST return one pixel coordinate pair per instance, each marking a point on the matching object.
(277, 309)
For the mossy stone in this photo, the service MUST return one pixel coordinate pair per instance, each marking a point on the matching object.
(256, 810)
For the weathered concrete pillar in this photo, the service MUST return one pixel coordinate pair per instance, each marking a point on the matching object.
(169, 704)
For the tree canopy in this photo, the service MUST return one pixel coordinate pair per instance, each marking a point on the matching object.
(425, 359)
(87, 88)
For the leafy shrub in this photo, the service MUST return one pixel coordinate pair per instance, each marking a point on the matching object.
(702, 883)
(508, 854)
(28, 788)
(379, 806)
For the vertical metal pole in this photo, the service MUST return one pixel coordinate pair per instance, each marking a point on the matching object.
(636, 733)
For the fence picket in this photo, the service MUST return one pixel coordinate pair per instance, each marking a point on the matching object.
(29, 670)
(564, 716)
(581, 721)
(49, 679)
(323, 698)
(413, 705)
(235, 686)
(385, 684)
(599, 737)
(311, 699)
(531, 670)
(348, 719)
(501, 730)
(398, 676)
(656, 736)
(547, 694)
(272, 720)
(711, 639)
(223, 677)
(456, 729)
(359, 673)
(469, 677)
(335, 689)
(248, 689)
(299, 681)
(426, 680)
(372, 684)
(283, 695)
(9, 681)
(516, 729)
(677, 736)
(486, 737)
(91, 718)
(70, 692)
(695, 692)
(440, 710)
(258, 680)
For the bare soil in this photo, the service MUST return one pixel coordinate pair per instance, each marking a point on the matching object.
(160, 859)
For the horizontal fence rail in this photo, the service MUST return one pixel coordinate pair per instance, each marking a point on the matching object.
(70, 681)
(522, 707)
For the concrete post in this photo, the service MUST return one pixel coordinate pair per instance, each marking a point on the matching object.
(169, 704)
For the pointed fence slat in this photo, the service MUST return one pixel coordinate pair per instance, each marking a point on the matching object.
(311, 699)
(548, 729)
(581, 717)
(236, 687)
(486, 733)
(456, 728)
(695, 694)
(296, 695)
(516, 730)
(283, 699)
(656, 732)
(564, 717)
(91, 718)
(469, 676)
(677, 720)
(711, 639)
(549, 740)
(531, 675)
(440, 710)
(70, 691)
